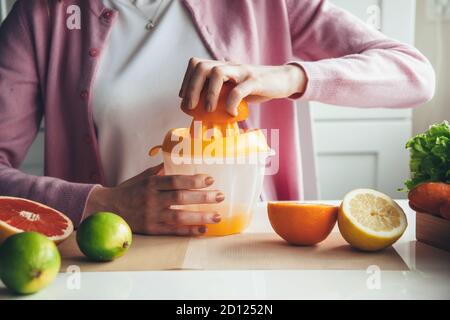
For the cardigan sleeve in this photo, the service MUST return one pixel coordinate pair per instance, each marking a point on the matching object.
(350, 63)
(21, 111)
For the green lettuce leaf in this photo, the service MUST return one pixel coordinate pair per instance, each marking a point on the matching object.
(430, 156)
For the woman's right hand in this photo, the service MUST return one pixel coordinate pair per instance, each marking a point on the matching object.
(145, 202)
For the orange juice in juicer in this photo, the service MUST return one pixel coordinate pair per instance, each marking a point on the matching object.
(215, 145)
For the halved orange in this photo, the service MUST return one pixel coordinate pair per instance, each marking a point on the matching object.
(301, 223)
(220, 114)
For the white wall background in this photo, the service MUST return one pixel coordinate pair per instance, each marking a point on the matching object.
(5, 5)
(433, 39)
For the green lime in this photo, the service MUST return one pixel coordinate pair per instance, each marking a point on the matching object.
(29, 261)
(104, 236)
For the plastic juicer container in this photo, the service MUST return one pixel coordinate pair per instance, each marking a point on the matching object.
(235, 158)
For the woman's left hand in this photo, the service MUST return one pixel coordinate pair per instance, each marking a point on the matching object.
(254, 83)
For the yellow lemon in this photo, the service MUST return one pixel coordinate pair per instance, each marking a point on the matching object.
(370, 220)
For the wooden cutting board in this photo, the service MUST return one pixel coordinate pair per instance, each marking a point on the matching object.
(247, 251)
(145, 253)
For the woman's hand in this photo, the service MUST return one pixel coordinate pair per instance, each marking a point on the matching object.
(254, 83)
(144, 202)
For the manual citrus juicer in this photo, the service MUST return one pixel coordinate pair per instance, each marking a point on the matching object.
(215, 145)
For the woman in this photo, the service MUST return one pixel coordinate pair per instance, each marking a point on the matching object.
(108, 91)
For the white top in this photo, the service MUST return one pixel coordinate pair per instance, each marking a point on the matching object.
(427, 277)
(135, 96)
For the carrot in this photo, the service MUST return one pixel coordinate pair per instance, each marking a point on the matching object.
(431, 197)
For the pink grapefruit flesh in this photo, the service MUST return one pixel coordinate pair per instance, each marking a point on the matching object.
(19, 215)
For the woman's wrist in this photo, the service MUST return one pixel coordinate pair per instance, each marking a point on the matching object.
(98, 200)
(297, 77)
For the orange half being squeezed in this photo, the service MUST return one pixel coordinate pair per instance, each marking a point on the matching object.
(214, 134)
(220, 122)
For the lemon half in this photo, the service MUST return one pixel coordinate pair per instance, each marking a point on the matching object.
(370, 220)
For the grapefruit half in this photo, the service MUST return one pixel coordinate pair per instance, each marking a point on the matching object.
(19, 215)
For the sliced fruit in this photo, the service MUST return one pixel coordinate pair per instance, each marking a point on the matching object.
(29, 261)
(19, 215)
(370, 220)
(216, 124)
(220, 114)
(302, 224)
(104, 236)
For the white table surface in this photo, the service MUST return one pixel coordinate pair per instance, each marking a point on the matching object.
(428, 278)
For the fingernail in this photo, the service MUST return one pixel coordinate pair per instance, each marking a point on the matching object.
(220, 197)
(202, 229)
(209, 181)
(208, 106)
(186, 104)
(232, 112)
(217, 218)
(190, 105)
